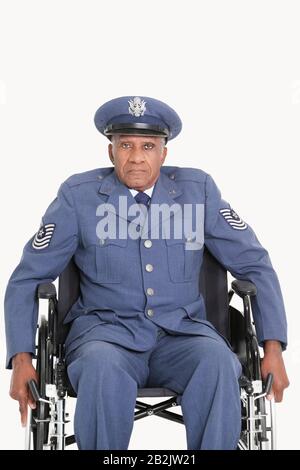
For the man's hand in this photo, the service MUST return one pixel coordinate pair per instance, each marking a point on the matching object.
(273, 362)
(23, 371)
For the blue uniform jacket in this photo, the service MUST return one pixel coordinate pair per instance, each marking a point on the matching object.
(123, 300)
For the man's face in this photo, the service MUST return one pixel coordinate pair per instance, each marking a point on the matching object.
(137, 159)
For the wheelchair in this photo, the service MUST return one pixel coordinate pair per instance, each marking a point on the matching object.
(47, 422)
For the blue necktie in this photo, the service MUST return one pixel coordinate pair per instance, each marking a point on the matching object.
(142, 198)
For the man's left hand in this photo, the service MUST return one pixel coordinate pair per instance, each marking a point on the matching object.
(272, 362)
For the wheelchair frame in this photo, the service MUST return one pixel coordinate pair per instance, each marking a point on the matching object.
(46, 424)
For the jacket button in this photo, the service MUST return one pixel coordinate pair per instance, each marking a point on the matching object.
(150, 312)
(148, 243)
(150, 291)
(149, 268)
(172, 176)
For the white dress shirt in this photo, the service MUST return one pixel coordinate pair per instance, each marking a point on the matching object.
(147, 191)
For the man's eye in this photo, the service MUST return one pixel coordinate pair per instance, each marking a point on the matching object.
(148, 146)
(125, 146)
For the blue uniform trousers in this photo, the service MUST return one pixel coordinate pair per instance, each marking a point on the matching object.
(203, 370)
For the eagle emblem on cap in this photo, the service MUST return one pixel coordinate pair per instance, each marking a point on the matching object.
(137, 106)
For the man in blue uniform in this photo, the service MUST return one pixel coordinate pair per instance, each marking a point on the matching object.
(140, 319)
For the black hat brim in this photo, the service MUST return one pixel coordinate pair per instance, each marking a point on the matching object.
(137, 128)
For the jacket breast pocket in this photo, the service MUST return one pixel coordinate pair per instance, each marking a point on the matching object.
(184, 259)
(111, 260)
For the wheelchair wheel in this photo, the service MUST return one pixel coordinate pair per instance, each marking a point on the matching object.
(40, 416)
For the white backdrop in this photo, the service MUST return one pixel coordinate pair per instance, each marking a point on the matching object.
(230, 69)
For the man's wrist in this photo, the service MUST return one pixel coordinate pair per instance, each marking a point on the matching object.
(21, 358)
(272, 346)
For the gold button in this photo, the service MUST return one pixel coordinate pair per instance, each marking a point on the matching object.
(148, 243)
(149, 268)
(150, 291)
(150, 312)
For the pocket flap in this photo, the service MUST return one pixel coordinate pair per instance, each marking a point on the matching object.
(103, 242)
(175, 241)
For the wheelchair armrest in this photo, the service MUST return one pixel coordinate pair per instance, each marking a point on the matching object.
(243, 288)
(46, 291)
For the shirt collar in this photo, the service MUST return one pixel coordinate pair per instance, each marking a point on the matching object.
(147, 191)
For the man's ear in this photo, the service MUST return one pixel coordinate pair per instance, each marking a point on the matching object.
(164, 154)
(110, 153)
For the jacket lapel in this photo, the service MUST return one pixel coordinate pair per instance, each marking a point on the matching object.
(117, 197)
(165, 192)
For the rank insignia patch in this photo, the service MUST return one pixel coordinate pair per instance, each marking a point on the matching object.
(43, 237)
(233, 219)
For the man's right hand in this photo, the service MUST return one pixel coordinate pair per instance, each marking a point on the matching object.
(23, 371)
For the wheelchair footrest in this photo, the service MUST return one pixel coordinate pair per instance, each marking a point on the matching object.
(70, 440)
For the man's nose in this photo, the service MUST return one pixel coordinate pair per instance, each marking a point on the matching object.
(136, 156)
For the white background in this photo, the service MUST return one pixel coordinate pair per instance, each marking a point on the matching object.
(230, 69)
